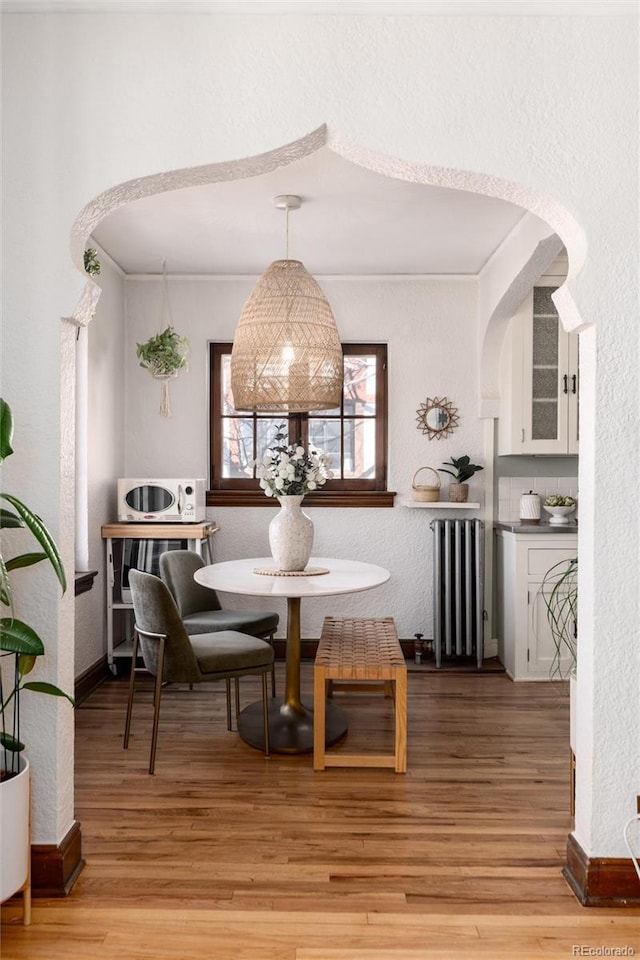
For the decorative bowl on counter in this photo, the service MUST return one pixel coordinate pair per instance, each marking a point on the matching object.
(559, 515)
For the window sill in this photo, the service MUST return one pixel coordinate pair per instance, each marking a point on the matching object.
(324, 498)
(84, 581)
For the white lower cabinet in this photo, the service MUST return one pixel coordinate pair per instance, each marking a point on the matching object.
(525, 644)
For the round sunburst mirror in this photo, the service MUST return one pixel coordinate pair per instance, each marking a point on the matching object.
(437, 417)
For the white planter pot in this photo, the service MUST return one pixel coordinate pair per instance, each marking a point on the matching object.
(291, 535)
(15, 847)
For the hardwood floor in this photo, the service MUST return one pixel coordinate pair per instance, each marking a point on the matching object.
(225, 856)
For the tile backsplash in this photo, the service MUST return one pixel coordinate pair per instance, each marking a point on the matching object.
(510, 489)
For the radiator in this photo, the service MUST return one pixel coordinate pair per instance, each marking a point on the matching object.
(458, 582)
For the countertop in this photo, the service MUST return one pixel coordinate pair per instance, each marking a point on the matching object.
(514, 526)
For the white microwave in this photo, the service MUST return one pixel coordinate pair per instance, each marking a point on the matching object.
(161, 501)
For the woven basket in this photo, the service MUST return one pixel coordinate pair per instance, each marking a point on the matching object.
(423, 492)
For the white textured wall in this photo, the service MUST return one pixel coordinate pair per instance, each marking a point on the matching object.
(545, 102)
(105, 453)
(430, 328)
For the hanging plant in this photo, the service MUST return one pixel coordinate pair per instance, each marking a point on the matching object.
(91, 262)
(164, 355)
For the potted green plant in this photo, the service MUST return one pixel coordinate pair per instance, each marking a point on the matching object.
(20, 646)
(91, 262)
(164, 355)
(462, 471)
(559, 591)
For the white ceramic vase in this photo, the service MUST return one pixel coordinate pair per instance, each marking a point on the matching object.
(14, 832)
(291, 535)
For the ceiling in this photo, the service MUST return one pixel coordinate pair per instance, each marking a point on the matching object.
(330, 7)
(352, 221)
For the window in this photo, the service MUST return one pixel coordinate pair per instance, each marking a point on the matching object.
(353, 434)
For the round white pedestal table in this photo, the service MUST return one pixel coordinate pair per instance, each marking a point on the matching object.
(291, 721)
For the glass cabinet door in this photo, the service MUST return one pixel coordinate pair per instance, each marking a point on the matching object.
(550, 378)
(545, 366)
(539, 402)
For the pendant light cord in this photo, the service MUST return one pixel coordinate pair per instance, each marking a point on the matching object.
(286, 232)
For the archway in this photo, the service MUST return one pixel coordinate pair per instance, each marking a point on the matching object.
(554, 215)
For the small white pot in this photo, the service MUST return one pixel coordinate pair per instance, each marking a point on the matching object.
(15, 848)
(559, 515)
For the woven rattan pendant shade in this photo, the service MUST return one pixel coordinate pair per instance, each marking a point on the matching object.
(286, 353)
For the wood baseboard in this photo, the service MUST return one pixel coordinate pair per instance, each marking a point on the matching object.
(91, 679)
(600, 881)
(56, 867)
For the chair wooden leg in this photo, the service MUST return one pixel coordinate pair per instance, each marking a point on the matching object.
(228, 685)
(157, 695)
(265, 714)
(132, 683)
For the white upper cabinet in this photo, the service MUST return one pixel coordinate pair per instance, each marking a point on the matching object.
(539, 379)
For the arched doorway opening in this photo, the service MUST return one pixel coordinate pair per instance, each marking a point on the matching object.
(502, 289)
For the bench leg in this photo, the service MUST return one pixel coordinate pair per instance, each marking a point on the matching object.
(401, 721)
(319, 711)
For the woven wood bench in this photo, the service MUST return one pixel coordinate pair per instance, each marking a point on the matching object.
(365, 653)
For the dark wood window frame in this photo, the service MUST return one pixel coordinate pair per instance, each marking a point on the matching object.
(238, 492)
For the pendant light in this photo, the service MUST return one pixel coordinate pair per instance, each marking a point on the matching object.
(286, 354)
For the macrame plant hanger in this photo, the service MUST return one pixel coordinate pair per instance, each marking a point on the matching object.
(164, 354)
(165, 321)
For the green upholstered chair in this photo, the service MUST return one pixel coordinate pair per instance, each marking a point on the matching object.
(172, 656)
(200, 608)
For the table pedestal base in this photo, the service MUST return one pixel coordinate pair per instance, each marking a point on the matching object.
(290, 729)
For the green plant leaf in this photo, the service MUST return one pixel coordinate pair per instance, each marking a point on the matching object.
(25, 560)
(463, 467)
(26, 663)
(19, 637)
(6, 430)
(41, 534)
(163, 354)
(10, 743)
(5, 584)
(9, 519)
(559, 591)
(91, 262)
(40, 686)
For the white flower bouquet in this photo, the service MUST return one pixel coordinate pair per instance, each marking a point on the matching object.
(288, 470)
